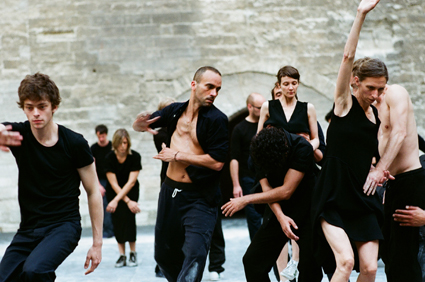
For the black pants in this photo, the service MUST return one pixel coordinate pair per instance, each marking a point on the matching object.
(266, 246)
(183, 231)
(401, 243)
(217, 255)
(35, 254)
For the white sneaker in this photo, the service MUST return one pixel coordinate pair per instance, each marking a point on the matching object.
(291, 270)
(215, 276)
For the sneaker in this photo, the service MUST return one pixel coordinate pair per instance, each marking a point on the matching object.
(291, 270)
(121, 261)
(132, 260)
(215, 276)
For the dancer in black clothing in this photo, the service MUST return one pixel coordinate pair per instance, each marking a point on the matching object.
(99, 150)
(344, 213)
(122, 169)
(53, 161)
(285, 164)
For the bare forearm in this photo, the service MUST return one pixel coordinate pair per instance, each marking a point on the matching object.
(96, 216)
(391, 150)
(234, 172)
(204, 160)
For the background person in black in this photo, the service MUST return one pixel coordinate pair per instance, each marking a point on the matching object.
(243, 179)
(122, 169)
(285, 162)
(52, 161)
(99, 150)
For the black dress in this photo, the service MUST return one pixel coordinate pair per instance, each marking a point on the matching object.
(298, 123)
(123, 219)
(339, 197)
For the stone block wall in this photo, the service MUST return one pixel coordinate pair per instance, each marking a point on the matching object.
(112, 59)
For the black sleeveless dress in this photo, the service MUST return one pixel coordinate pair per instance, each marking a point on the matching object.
(298, 123)
(339, 197)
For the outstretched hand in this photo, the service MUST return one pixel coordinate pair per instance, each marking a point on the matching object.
(9, 138)
(142, 123)
(234, 205)
(374, 179)
(286, 222)
(411, 216)
(367, 5)
(94, 255)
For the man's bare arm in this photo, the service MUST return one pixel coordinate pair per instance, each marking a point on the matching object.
(264, 115)
(342, 95)
(204, 160)
(292, 180)
(234, 174)
(397, 99)
(90, 183)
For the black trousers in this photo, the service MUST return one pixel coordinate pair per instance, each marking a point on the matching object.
(183, 231)
(217, 255)
(35, 254)
(266, 246)
(401, 243)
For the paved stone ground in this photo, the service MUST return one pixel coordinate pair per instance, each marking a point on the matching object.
(235, 233)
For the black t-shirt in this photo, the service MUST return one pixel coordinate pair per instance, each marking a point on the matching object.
(99, 154)
(122, 171)
(49, 183)
(239, 147)
(300, 158)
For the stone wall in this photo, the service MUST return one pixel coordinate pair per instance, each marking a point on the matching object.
(112, 59)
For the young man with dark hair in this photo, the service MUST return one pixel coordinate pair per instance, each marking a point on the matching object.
(285, 166)
(52, 161)
(196, 149)
(99, 150)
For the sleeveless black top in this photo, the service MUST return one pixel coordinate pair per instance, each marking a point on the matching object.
(351, 144)
(298, 123)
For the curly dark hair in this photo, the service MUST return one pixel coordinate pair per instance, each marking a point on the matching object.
(270, 149)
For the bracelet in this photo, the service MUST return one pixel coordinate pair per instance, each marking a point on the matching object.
(175, 156)
(127, 202)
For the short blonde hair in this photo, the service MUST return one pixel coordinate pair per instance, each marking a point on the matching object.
(119, 135)
(165, 102)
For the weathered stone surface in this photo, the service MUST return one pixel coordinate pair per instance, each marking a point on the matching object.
(112, 59)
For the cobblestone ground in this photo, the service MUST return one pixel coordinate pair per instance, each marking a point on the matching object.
(235, 233)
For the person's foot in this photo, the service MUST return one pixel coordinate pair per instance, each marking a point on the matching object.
(158, 272)
(291, 270)
(132, 260)
(121, 261)
(215, 276)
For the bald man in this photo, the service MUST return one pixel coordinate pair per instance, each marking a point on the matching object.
(242, 178)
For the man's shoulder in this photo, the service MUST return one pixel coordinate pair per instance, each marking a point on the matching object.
(71, 137)
(394, 94)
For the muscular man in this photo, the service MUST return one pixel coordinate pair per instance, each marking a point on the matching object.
(242, 178)
(52, 161)
(99, 150)
(196, 150)
(398, 147)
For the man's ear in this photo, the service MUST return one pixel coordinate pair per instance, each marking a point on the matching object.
(55, 108)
